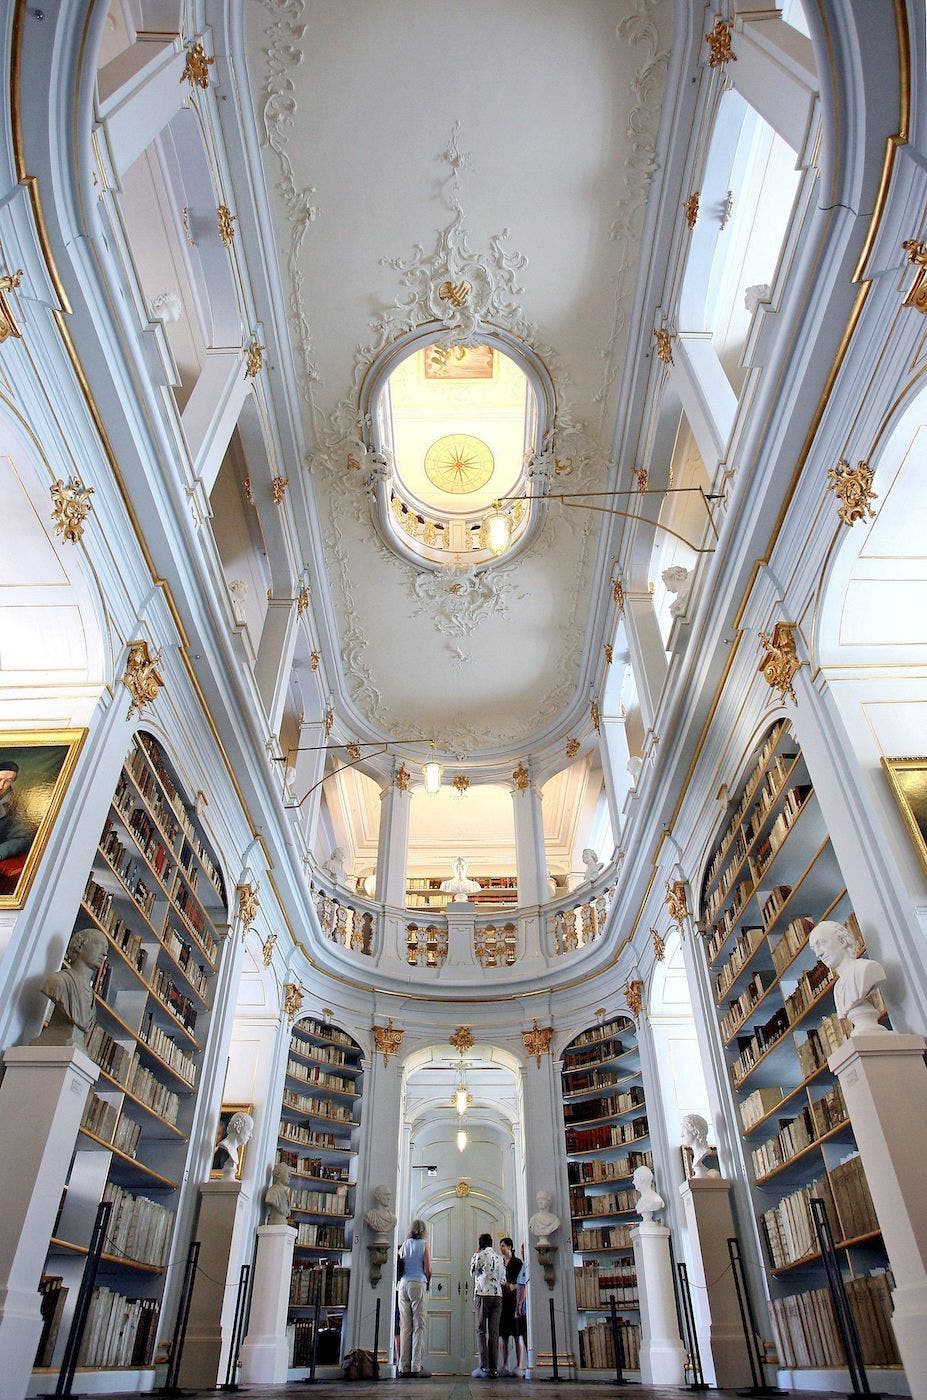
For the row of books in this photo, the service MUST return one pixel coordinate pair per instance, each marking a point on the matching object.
(306, 1137)
(312, 1074)
(327, 1285)
(737, 815)
(139, 1229)
(819, 1044)
(53, 1295)
(183, 817)
(103, 1120)
(316, 1236)
(742, 950)
(758, 1104)
(773, 903)
(597, 1349)
(792, 941)
(737, 852)
(311, 1166)
(795, 1134)
(328, 1054)
(609, 1203)
(168, 1049)
(753, 1048)
(806, 1331)
(795, 800)
(190, 910)
(593, 1079)
(325, 1032)
(318, 1108)
(606, 1030)
(768, 792)
(740, 1007)
(789, 1227)
(852, 1200)
(585, 1110)
(112, 1057)
(147, 785)
(720, 930)
(603, 1237)
(120, 1331)
(321, 1202)
(183, 953)
(808, 988)
(328, 1347)
(144, 830)
(614, 1170)
(594, 1287)
(609, 1135)
(124, 866)
(146, 1086)
(170, 995)
(100, 902)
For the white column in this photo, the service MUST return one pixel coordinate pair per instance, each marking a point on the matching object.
(648, 654)
(884, 1085)
(139, 92)
(275, 658)
(377, 1165)
(614, 752)
(705, 393)
(663, 1356)
(308, 770)
(775, 73)
(42, 1100)
(264, 1353)
(220, 1230)
(393, 846)
(530, 856)
(212, 412)
(706, 1201)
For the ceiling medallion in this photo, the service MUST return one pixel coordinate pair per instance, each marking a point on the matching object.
(719, 45)
(521, 778)
(460, 783)
(462, 1039)
(779, 663)
(403, 778)
(659, 945)
(664, 346)
(70, 508)
(196, 69)
(572, 748)
(634, 996)
(916, 295)
(248, 904)
(387, 1040)
(141, 678)
(853, 488)
(458, 464)
(8, 326)
(537, 1040)
(690, 209)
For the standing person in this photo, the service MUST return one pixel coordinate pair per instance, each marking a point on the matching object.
(508, 1318)
(413, 1299)
(488, 1270)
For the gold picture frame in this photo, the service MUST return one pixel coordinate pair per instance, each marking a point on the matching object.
(39, 764)
(908, 781)
(225, 1114)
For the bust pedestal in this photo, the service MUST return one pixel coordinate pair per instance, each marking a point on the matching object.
(42, 1100)
(461, 921)
(264, 1350)
(223, 1208)
(706, 1201)
(884, 1084)
(663, 1356)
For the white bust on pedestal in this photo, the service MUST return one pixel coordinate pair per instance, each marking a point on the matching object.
(663, 1357)
(380, 1219)
(592, 866)
(543, 1223)
(649, 1200)
(695, 1137)
(334, 866)
(228, 1152)
(857, 978)
(458, 885)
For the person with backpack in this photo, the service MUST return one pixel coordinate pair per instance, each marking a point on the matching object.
(488, 1271)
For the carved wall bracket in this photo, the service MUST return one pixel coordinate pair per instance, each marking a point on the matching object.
(292, 999)
(779, 663)
(254, 359)
(521, 778)
(141, 678)
(403, 778)
(572, 748)
(537, 1040)
(659, 945)
(634, 996)
(676, 904)
(248, 904)
(664, 346)
(225, 221)
(387, 1040)
(916, 294)
(690, 209)
(547, 1258)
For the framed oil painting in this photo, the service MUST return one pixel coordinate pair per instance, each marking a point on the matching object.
(226, 1114)
(908, 779)
(35, 769)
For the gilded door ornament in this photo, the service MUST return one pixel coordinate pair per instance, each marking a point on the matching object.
(659, 945)
(254, 359)
(853, 488)
(292, 999)
(780, 663)
(916, 295)
(8, 327)
(460, 783)
(387, 1040)
(197, 66)
(634, 996)
(462, 1188)
(141, 678)
(70, 508)
(267, 948)
(278, 489)
(594, 715)
(676, 905)
(572, 748)
(314, 658)
(719, 45)
(521, 778)
(537, 1040)
(664, 346)
(462, 1039)
(225, 221)
(403, 778)
(690, 209)
(248, 904)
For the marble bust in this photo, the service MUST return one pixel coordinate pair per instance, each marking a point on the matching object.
(678, 580)
(857, 978)
(591, 864)
(379, 1219)
(543, 1223)
(334, 866)
(238, 1132)
(71, 990)
(459, 885)
(648, 1199)
(277, 1196)
(695, 1137)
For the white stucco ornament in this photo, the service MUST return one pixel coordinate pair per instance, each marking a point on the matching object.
(649, 1201)
(857, 978)
(543, 1223)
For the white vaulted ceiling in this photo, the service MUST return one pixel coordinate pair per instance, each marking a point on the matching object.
(531, 123)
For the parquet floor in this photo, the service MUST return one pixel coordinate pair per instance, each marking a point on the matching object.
(463, 1388)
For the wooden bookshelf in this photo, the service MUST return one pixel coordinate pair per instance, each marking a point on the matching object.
(607, 1138)
(319, 1121)
(155, 891)
(772, 876)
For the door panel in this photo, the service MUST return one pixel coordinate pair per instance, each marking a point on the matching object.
(453, 1232)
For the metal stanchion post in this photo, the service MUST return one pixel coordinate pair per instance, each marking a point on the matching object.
(170, 1386)
(314, 1354)
(748, 1323)
(698, 1381)
(237, 1326)
(841, 1303)
(84, 1296)
(376, 1342)
(619, 1349)
(553, 1340)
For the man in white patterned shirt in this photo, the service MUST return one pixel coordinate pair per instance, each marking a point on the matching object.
(488, 1270)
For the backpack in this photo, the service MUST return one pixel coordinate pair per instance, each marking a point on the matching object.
(361, 1366)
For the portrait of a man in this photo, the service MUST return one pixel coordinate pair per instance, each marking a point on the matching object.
(34, 773)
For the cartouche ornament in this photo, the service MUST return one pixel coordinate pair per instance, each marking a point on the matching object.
(853, 488)
(70, 508)
(719, 45)
(537, 1040)
(197, 65)
(779, 663)
(141, 678)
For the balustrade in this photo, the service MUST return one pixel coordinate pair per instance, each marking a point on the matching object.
(351, 926)
(580, 924)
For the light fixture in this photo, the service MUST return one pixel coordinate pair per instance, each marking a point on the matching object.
(432, 773)
(496, 530)
(461, 1140)
(461, 1100)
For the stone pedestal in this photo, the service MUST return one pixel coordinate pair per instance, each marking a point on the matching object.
(223, 1208)
(461, 921)
(706, 1201)
(884, 1084)
(264, 1352)
(663, 1356)
(42, 1100)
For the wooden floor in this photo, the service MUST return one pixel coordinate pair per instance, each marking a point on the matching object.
(463, 1388)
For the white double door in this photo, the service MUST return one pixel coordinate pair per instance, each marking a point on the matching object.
(453, 1231)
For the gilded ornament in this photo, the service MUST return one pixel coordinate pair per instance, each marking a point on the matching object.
(521, 778)
(460, 783)
(917, 293)
(719, 45)
(618, 595)
(537, 1040)
(314, 658)
(142, 679)
(779, 663)
(659, 945)
(267, 948)
(70, 508)
(249, 494)
(563, 466)
(254, 359)
(572, 748)
(455, 292)
(8, 327)
(609, 653)
(387, 1040)
(226, 224)
(664, 346)
(462, 1188)
(676, 904)
(594, 715)
(354, 753)
(643, 478)
(292, 999)
(329, 721)
(302, 602)
(690, 208)
(278, 489)
(634, 996)
(462, 1039)
(248, 904)
(853, 488)
(196, 68)
(403, 778)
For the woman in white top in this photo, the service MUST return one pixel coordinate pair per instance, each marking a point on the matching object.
(413, 1299)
